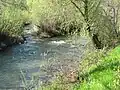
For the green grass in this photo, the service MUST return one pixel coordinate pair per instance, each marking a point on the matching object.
(103, 76)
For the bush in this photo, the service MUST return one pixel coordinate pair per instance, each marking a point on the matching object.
(12, 19)
(55, 16)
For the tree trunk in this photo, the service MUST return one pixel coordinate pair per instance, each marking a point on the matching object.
(96, 41)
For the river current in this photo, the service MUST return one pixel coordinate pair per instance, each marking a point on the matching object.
(21, 63)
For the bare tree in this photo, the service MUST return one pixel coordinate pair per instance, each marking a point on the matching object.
(112, 12)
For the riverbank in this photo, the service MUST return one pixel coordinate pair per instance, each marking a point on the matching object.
(99, 70)
(6, 40)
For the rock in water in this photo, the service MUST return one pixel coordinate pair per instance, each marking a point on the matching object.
(58, 42)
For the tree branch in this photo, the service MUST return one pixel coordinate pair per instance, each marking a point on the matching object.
(77, 7)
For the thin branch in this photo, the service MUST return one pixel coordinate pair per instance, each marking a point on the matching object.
(117, 12)
(104, 11)
(97, 6)
(77, 7)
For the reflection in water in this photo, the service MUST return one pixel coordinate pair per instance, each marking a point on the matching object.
(28, 57)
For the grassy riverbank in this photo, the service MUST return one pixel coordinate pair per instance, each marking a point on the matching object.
(100, 70)
(104, 74)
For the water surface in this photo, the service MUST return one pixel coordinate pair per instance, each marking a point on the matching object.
(28, 57)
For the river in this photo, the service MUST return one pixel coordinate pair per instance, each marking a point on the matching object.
(20, 63)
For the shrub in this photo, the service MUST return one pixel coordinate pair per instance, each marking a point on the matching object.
(55, 16)
(12, 18)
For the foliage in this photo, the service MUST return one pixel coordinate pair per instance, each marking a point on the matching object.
(104, 75)
(99, 70)
(55, 15)
(98, 19)
(13, 14)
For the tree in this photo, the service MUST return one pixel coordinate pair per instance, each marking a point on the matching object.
(88, 11)
(112, 12)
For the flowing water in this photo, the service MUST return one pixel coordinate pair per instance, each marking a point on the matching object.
(23, 61)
